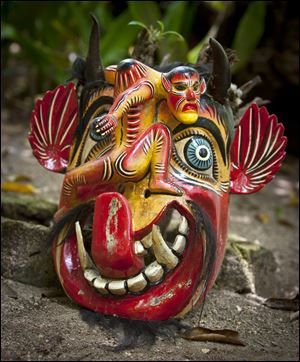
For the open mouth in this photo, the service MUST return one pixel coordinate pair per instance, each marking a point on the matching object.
(162, 249)
(190, 107)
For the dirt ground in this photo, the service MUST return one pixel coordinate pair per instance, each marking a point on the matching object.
(45, 329)
(38, 324)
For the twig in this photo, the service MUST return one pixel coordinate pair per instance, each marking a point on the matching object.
(247, 87)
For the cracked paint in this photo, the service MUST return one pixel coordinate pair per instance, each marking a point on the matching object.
(112, 224)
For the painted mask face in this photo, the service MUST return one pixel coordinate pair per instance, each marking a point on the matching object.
(184, 87)
(149, 163)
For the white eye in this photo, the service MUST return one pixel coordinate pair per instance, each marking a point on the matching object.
(198, 153)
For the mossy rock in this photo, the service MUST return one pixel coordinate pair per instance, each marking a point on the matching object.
(26, 254)
(24, 207)
(248, 267)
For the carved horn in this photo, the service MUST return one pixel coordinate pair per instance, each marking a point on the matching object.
(221, 77)
(94, 68)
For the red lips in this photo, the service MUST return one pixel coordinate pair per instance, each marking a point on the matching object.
(190, 107)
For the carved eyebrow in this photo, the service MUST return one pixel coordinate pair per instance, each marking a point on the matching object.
(209, 126)
(180, 83)
(186, 82)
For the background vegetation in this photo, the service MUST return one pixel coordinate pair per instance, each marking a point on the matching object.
(40, 41)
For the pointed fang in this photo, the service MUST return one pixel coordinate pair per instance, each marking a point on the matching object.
(85, 260)
(161, 250)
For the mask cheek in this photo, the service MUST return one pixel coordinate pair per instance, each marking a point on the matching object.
(174, 102)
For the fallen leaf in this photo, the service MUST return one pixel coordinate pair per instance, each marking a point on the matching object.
(262, 217)
(236, 238)
(283, 303)
(21, 178)
(279, 212)
(18, 187)
(239, 309)
(286, 222)
(293, 201)
(205, 350)
(206, 334)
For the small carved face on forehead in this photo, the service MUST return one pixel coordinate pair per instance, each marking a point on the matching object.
(184, 88)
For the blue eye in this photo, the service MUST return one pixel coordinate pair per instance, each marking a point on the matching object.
(198, 153)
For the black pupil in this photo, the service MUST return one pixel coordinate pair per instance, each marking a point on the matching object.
(203, 152)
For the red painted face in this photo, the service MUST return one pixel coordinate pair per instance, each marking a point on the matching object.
(139, 272)
(184, 91)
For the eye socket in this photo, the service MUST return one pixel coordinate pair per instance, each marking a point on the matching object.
(180, 87)
(198, 153)
(194, 158)
(196, 87)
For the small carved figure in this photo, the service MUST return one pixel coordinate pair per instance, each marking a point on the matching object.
(142, 142)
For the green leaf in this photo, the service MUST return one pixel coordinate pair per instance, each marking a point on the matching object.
(175, 15)
(249, 32)
(217, 5)
(162, 26)
(138, 23)
(170, 32)
(189, 19)
(39, 53)
(174, 49)
(192, 55)
(8, 31)
(103, 13)
(147, 12)
(117, 39)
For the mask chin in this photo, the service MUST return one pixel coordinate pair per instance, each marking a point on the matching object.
(186, 117)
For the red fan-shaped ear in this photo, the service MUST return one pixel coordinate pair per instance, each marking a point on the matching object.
(52, 126)
(257, 151)
(202, 86)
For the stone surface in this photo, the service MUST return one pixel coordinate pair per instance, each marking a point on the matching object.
(248, 267)
(25, 254)
(27, 207)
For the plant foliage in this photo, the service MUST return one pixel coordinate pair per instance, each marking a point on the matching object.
(47, 36)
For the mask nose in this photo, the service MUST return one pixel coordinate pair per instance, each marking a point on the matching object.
(190, 95)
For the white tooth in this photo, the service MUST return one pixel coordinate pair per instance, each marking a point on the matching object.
(99, 283)
(90, 275)
(147, 241)
(161, 250)
(179, 244)
(183, 227)
(137, 284)
(174, 221)
(117, 287)
(139, 249)
(84, 258)
(154, 271)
